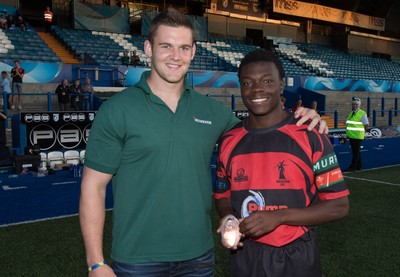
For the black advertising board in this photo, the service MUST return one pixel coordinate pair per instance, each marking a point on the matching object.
(244, 7)
(241, 114)
(57, 130)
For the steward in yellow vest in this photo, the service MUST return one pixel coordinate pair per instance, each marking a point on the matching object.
(356, 126)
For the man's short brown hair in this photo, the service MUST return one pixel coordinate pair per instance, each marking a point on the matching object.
(172, 18)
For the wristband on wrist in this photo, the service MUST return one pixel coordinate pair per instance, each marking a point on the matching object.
(93, 267)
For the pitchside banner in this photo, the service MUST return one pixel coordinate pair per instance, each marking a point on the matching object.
(57, 130)
(245, 7)
(314, 11)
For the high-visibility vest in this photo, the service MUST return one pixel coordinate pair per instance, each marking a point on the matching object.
(48, 16)
(354, 127)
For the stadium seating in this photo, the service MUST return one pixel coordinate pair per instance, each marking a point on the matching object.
(82, 156)
(329, 62)
(216, 54)
(297, 62)
(71, 157)
(103, 48)
(26, 46)
(43, 160)
(55, 157)
(220, 54)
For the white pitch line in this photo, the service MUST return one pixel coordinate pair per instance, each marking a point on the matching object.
(38, 220)
(63, 183)
(372, 181)
(42, 219)
(381, 167)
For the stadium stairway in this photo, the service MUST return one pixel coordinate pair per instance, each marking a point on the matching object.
(58, 48)
(331, 122)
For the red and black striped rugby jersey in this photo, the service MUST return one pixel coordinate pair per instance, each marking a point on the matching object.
(284, 166)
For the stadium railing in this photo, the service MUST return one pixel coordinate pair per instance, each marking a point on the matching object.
(384, 102)
(233, 105)
(48, 95)
(390, 112)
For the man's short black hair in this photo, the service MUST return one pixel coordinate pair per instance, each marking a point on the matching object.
(262, 55)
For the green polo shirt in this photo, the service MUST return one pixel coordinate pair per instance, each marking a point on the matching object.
(161, 166)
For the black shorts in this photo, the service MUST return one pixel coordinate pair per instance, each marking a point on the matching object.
(298, 258)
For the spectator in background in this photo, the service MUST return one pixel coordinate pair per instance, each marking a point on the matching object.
(10, 22)
(48, 19)
(62, 91)
(3, 22)
(125, 59)
(5, 85)
(17, 74)
(3, 136)
(75, 88)
(283, 102)
(135, 59)
(87, 88)
(314, 105)
(299, 103)
(20, 23)
(356, 126)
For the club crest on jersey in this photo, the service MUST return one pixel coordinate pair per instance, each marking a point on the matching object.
(240, 176)
(281, 172)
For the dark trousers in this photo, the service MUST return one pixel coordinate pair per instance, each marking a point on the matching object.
(356, 163)
(202, 266)
(8, 101)
(63, 106)
(47, 26)
(75, 105)
(3, 137)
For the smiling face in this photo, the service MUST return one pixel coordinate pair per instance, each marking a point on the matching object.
(261, 89)
(171, 53)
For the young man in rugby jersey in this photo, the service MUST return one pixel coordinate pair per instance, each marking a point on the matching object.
(277, 178)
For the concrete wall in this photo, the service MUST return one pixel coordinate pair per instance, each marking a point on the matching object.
(38, 102)
(369, 45)
(229, 26)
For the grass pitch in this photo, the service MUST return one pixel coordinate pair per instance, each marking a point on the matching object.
(363, 244)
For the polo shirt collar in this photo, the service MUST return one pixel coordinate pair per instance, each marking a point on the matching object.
(145, 86)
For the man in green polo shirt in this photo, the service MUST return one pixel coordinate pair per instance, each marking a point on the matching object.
(155, 141)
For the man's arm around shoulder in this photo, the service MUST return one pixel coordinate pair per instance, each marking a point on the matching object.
(92, 217)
